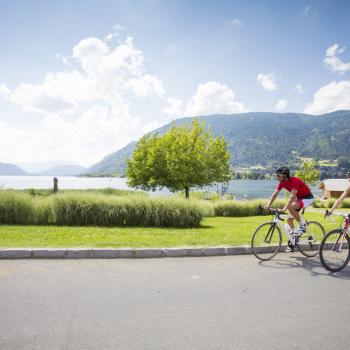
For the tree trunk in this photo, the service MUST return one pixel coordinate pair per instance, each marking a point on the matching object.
(187, 192)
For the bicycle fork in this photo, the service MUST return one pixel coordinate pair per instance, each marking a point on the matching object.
(269, 234)
(341, 238)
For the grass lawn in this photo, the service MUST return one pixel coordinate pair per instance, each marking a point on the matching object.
(215, 231)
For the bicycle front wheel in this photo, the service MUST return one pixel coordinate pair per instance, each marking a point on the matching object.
(309, 242)
(266, 241)
(334, 250)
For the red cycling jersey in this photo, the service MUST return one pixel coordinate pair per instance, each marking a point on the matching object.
(294, 183)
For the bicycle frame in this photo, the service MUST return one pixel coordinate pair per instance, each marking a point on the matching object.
(267, 238)
(277, 221)
(345, 230)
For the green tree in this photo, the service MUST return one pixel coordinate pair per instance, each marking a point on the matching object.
(180, 159)
(308, 172)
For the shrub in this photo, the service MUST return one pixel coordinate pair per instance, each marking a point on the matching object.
(346, 203)
(319, 203)
(86, 209)
(329, 203)
(15, 207)
(97, 209)
(248, 208)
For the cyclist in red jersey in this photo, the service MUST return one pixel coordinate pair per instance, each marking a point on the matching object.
(301, 197)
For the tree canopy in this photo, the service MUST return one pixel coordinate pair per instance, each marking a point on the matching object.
(180, 159)
(308, 172)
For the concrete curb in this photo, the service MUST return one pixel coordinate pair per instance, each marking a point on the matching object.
(122, 253)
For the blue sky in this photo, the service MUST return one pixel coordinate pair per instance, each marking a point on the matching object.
(81, 79)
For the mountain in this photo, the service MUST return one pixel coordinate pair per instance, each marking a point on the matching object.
(11, 169)
(38, 167)
(262, 138)
(64, 170)
(113, 164)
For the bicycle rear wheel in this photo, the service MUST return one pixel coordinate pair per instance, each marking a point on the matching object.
(266, 241)
(309, 242)
(334, 250)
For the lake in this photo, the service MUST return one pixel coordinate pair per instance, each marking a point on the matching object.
(248, 189)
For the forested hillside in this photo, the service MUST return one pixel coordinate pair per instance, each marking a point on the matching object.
(263, 139)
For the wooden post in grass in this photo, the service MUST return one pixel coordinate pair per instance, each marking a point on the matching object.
(55, 185)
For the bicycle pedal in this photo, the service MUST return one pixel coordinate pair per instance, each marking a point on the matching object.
(290, 247)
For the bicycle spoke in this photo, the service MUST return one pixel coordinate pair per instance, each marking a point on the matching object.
(334, 252)
(309, 242)
(266, 241)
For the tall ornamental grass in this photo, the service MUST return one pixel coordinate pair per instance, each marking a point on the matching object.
(248, 208)
(97, 209)
(329, 203)
(16, 208)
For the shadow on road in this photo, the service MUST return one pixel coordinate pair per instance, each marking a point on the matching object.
(313, 265)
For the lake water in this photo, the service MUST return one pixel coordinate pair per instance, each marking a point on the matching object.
(248, 189)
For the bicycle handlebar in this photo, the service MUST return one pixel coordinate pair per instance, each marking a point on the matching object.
(328, 213)
(273, 211)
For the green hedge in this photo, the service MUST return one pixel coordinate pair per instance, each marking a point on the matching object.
(96, 209)
(248, 208)
(329, 203)
(16, 207)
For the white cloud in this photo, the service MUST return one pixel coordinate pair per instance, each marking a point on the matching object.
(4, 91)
(267, 81)
(3, 125)
(174, 107)
(146, 86)
(335, 95)
(107, 75)
(42, 99)
(98, 131)
(333, 62)
(236, 22)
(14, 143)
(86, 107)
(63, 59)
(116, 32)
(211, 98)
(299, 89)
(281, 105)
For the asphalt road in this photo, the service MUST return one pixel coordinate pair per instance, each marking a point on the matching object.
(231, 302)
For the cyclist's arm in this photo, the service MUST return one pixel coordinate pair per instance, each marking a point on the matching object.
(292, 199)
(345, 194)
(272, 198)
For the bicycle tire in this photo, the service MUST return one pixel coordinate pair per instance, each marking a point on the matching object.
(310, 241)
(266, 249)
(331, 259)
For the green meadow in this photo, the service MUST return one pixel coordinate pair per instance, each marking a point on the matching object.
(111, 219)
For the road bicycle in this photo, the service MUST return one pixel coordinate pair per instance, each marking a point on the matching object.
(334, 248)
(267, 238)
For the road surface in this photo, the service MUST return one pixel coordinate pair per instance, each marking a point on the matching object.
(230, 302)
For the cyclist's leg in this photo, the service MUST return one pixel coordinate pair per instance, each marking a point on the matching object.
(290, 220)
(291, 216)
(294, 209)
